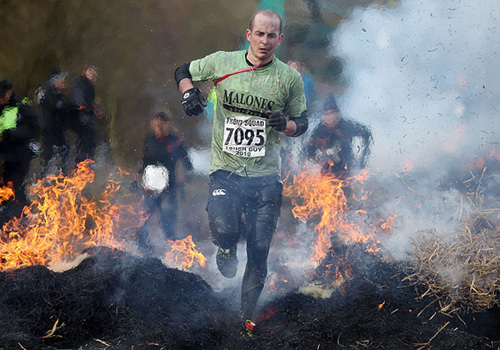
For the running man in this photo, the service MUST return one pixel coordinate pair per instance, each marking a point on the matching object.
(258, 99)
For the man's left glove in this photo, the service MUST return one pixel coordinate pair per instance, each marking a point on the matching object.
(277, 120)
(193, 101)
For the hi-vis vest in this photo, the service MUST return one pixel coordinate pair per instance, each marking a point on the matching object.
(8, 119)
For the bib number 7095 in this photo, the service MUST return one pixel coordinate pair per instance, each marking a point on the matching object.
(245, 136)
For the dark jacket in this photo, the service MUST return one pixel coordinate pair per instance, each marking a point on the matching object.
(336, 144)
(167, 152)
(54, 107)
(83, 98)
(15, 141)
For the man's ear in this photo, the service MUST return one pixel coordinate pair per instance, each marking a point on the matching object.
(248, 34)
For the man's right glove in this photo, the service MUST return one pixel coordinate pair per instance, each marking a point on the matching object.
(193, 101)
(277, 120)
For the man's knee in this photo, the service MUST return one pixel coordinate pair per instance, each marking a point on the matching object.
(224, 234)
(224, 221)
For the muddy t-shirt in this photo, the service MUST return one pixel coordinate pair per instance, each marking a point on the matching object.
(242, 141)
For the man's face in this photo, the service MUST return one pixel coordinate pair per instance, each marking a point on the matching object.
(264, 38)
(331, 118)
(60, 84)
(161, 128)
(5, 99)
(91, 74)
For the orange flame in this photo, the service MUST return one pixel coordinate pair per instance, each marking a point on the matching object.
(279, 280)
(6, 192)
(61, 222)
(386, 225)
(184, 253)
(314, 192)
(380, 306)
(267, 313)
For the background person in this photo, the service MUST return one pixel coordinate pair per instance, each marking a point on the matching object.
(259, 98)
(18, 130)
(163, 151)
(332, 143)
(83, 123)
(55, 112)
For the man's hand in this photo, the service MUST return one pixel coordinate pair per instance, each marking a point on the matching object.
(277, 120)
(193, 101)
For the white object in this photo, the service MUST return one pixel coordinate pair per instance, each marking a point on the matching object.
(155, 178)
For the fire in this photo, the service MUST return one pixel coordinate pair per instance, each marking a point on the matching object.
(280, 280)
(184, 253)
(480, 163)
(316, 193)
(380, 306)
(386, 225)
(267, 313)
(62, 221)
(6, 192)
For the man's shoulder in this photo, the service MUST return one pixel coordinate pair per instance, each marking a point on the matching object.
(174, 138)
(236, 53)
(290, 75)
(226, 55)
(286, 68)
(150, 137)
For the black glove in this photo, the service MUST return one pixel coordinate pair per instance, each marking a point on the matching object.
(193, 101)
(277, 120)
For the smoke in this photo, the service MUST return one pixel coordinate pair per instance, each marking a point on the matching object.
(424, 76)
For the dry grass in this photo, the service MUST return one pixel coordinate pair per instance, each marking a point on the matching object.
(461, 272)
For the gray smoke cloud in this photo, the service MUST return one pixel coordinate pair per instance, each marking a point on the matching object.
(424, 76)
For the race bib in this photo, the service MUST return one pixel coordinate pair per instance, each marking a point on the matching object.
(245, 136)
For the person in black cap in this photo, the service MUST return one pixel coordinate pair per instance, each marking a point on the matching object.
(55, 116)
(18, 130)
(163, 150)
(331, 143)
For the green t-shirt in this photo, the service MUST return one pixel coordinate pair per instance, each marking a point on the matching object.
(241, 139)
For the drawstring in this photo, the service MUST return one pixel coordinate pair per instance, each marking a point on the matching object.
(238, 168)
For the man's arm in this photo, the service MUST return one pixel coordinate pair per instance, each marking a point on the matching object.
(297, 122)
(185, 84)
(193, 101)
(79, 94)
(183, 77)
(290, 126)
(297, 126)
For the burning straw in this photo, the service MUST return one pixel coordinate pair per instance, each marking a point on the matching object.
(63, 220)
(461, 273)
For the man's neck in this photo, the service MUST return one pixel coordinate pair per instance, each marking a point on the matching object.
(261, 64)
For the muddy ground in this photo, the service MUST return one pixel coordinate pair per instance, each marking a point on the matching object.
(115, 300)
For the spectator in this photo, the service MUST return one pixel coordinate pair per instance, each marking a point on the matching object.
(331, 143)
(55, 116)
(83, 123)
(163, 150)
(18, 130)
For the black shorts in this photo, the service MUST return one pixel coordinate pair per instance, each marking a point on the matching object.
(243, 206)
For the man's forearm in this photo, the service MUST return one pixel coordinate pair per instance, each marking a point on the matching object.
(185, 84)
(296, 126)
(291, 127)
